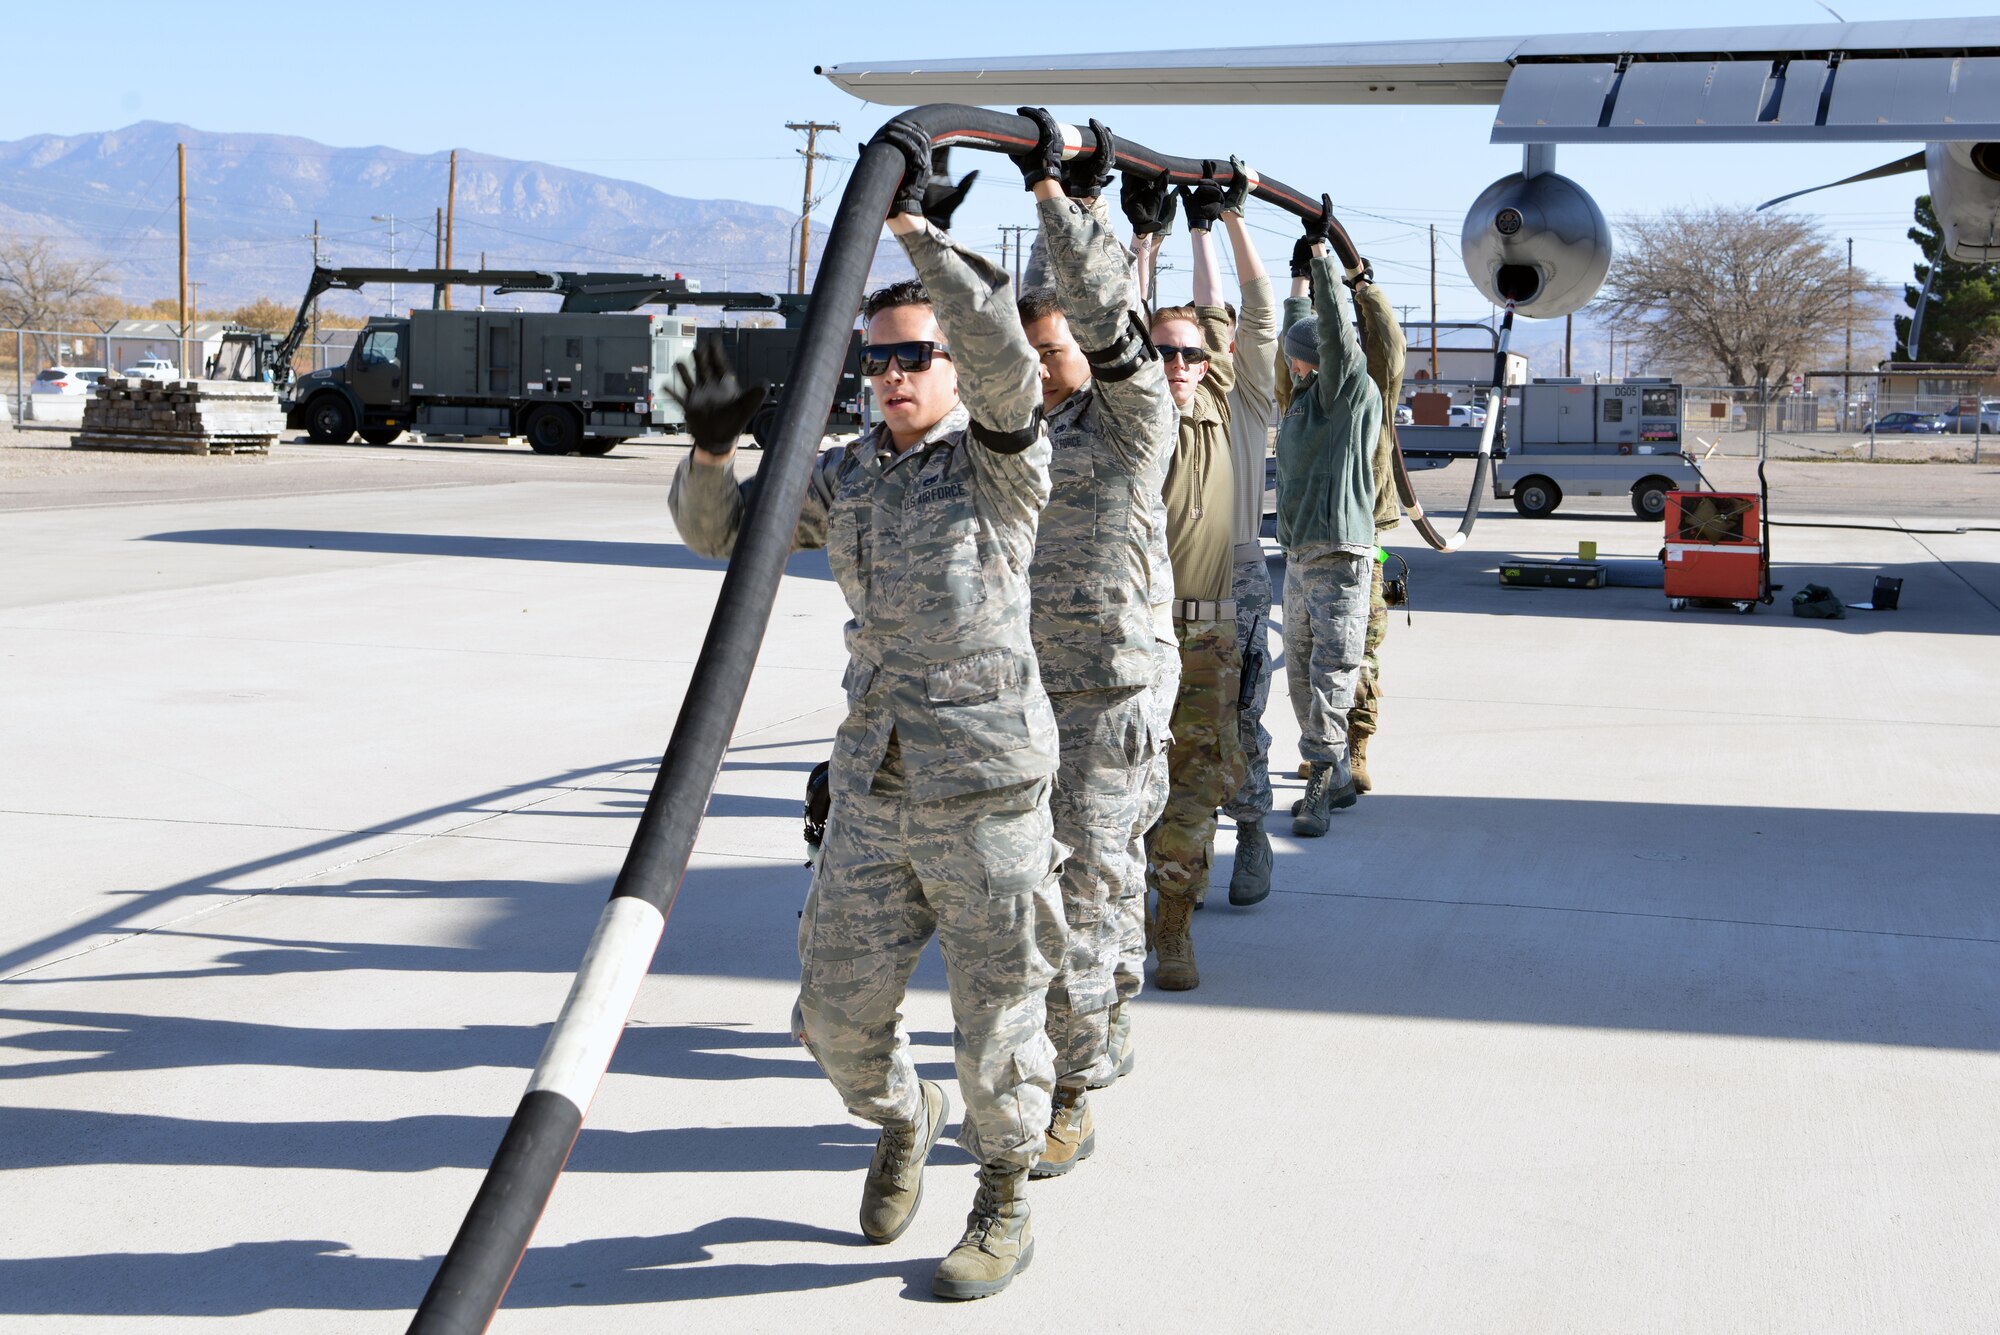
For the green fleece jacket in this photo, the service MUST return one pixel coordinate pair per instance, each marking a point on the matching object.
(1326, 440)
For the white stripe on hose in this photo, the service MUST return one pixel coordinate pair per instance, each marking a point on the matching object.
(580, 1046)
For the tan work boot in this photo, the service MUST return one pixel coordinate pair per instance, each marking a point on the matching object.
(1072, 1137)
(998, 1244)
(1357, 761)
(895, 1184)
(1305, 769)
(1173, 938)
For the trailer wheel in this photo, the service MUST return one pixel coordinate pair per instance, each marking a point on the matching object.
(1649, 498)
(381, 435)
(597, 446)
(764, 426)
(551, 429)
(1536, 497)
(329, 421)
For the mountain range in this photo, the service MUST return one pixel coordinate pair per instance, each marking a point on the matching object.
(253, 200)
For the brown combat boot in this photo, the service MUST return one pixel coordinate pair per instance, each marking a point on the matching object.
(1072, 1137)
(1357, 760)
(895, 1184)
(998, 1244)
(1173, 939)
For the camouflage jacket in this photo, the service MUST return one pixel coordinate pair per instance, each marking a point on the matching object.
(931, 548)
(1382, 339)
(1092, 575)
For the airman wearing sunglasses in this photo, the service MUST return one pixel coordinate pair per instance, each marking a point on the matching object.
(1204, 759)
(941, 769)
(1112, 425)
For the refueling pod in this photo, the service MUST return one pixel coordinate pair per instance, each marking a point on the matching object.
(1538, 240)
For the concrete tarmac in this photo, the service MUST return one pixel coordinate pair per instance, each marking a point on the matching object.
(1653, 990)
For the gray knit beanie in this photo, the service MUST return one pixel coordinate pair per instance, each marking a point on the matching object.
(1302, 340)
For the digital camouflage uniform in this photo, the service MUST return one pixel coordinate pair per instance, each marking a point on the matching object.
(1204, 759)
(1382, 339)
(1093, 627)
(941, 770)
(1250, 404)
(1326, 521)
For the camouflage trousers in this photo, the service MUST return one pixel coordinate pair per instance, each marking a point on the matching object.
(1107, 752)
(1363, 719)
(1252, 799)
(1129, 971)
(978, 870)
(1326, 632)
(1204, 760)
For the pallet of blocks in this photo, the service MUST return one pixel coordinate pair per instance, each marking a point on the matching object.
(181, 416)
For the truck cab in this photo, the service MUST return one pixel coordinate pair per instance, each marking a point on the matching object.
(369, 392)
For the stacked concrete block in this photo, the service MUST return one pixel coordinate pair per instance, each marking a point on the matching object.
(181, 416)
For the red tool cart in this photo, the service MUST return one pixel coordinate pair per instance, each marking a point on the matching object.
(1718, 551)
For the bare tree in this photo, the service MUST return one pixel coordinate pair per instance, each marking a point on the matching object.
(1713, 292)
(39, 288)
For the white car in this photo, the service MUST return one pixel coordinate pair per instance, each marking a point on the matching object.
(1466, 414)
(77, 380)
(1404, 415)
(153, 368)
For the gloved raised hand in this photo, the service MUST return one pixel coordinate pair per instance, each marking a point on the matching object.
(941, 197)
(1302, 257)
(1044, 161)
(1320, 229)
(716, 406)
(915, 147)
(1148, 202)
(1237, 192)
(1086, 175)
(1202, 201)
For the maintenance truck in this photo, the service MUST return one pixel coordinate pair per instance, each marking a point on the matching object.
(578, 380)
(1569, 437)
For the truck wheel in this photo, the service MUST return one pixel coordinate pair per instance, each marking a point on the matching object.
(553, 430)
(764, 426)
(329, 421)
(597, 446)
(1537, 497)
(381, 435)
(1649, 498)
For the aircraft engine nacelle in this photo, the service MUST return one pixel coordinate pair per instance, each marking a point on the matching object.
(1965, 195)
(1538, 241)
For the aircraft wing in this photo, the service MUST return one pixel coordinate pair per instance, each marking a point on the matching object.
(1890, 80)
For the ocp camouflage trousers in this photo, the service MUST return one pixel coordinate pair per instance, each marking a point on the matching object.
(1130, 968)
(1252, 799)
(979, 871)
(1204, 761)
(1107, 754)
(1366, 715)
(1326, 633)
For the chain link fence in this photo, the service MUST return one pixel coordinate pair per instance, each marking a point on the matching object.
(27, 354)
(1778, 423)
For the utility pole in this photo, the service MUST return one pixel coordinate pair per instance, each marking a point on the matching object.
(1847, 361)
(315, 309)
(181, 153)
(1015, 230)
(437, 256)
(1569, 339)
(450, 220)
(193, 318)
(482, 286)
(811, 154)
(389, 218)
(1434, 303)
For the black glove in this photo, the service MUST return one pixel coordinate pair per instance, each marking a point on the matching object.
(1203, 202)
(1302, 257)
(1367, 275)
(1044, 161)
(1234, 198)
(1085, 176)
(717, 408)
(941, 197)
(915, 147)
(1321, 228)
(1148, 203)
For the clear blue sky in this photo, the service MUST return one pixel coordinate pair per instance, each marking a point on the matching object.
(693, 99)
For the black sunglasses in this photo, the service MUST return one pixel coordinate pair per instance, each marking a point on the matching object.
(1188, 355)
(914, 355)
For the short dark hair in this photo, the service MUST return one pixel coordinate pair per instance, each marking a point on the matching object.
(909, 292)
(1038, 303)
